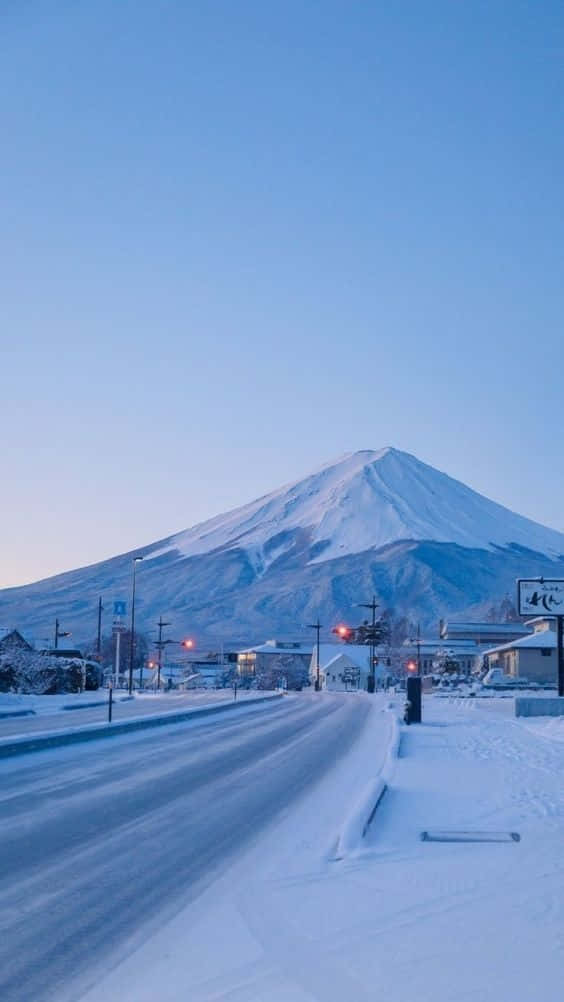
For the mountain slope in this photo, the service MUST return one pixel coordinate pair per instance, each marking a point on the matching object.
(372, 521)
(367, 500)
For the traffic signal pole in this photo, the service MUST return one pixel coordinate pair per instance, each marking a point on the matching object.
(317, 627)
(371, 681)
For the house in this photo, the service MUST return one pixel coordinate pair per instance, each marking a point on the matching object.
(275, 655)
(12, 640)
(346, 666)
(532, 658)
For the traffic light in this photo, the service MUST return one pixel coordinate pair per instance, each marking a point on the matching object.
(411, 665)
(189, 643)
(342, 631)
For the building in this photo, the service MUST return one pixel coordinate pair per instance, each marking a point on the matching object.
(532, 658)
(12, 640)
(483, 634)
(290, 656)
(347, 666)
(464, 653)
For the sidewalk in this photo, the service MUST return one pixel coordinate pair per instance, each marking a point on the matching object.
(403, 920)
(470, 921)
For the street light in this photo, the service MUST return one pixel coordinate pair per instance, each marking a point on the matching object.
(417, 641)
(132, 635)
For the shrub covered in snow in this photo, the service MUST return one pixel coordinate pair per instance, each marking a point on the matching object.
(41, 674)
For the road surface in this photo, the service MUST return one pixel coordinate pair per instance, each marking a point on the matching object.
(122, 709)
(101, 843)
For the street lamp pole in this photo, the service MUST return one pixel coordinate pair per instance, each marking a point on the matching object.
(317, 627)
(132, 634)
(99, 635)
(373, 605)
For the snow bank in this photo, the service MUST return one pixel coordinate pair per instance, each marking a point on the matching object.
(356, 824)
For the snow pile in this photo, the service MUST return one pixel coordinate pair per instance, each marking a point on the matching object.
(363, 501)
(357, 823)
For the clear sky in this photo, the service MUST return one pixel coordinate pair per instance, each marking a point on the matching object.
(241, 238)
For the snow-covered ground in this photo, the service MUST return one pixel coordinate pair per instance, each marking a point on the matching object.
(403, 919)
(12, 702)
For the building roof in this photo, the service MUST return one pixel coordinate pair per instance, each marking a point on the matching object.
(274, 647)
(485, 629)
(359, 654)
(545, 638)
(466, 648)
(8, 631)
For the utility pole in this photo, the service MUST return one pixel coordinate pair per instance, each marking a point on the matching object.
(59, 633)
(99, 636)
(132, 635)
(373, 605)
(419, 648)
(317, 627)
(160, 644)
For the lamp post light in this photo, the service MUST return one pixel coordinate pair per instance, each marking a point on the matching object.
(317, 627)
(132, 634)
(417, 641)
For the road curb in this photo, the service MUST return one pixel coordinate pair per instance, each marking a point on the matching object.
(91, 732)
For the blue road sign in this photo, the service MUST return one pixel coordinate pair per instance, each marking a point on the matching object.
(119, 608)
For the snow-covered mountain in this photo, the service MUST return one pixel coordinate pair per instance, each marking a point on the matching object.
(379, 522)
(364, 501)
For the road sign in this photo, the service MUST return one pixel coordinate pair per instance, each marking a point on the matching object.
(540, 596)
(119, 608)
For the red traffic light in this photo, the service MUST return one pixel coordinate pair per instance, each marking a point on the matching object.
(411, 666)
(342, 631)
(188, 643)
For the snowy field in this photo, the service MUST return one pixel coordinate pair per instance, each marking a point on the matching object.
(399, 919)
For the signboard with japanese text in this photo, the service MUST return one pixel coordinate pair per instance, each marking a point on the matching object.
(540, 596)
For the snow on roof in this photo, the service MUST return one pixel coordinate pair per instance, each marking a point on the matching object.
(485, 628)
(270, 648)
(359, 654)
(545, 638)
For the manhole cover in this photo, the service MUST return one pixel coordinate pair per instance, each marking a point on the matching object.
(469, 836)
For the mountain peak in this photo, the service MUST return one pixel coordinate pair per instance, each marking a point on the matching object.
(362, 501)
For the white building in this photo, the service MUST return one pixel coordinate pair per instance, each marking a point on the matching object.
(346, 666)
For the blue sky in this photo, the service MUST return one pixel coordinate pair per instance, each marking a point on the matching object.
(238, 240)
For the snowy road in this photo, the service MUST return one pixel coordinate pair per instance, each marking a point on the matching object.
(101, 843)
(403, 919)
(122, 709)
